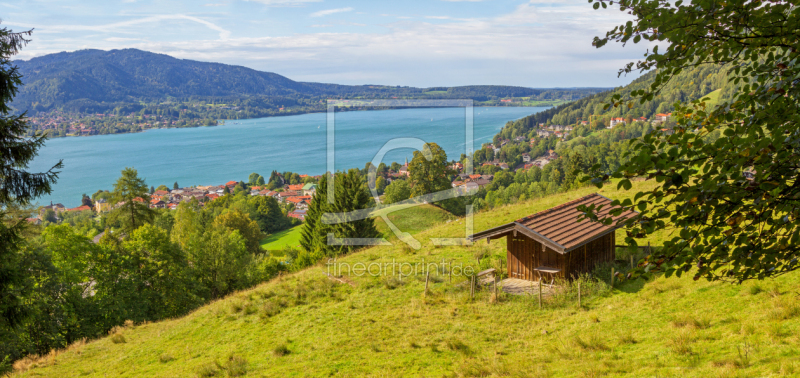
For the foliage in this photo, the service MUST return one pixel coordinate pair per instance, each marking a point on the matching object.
(629, 331)
(236, 220)
(131, 191)
(397, 191)
(429, 170)
(728, 225)
(350, 193)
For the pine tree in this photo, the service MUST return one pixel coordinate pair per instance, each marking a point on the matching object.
(131, 191)
(350, 193)
(17, 186)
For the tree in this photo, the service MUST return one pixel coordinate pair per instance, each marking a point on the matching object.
(50, 216)
(17, 185)
(350, 193)
(268, 214)
(253, 178)
(161, 272)
(152, 189)
(162, 187)
(175, 186)
(380, 184)
(86, 201)
(226, 190)
(397, 191)
(429, 176)
(186, 225)
(219, 257)
(260, 181)
(133, 211)
(733, 200)
(247, 228)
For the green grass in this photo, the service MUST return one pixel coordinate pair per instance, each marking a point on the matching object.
(304, 324)
(435, 92)
(282, 239)
(713, 98)
(414, 220)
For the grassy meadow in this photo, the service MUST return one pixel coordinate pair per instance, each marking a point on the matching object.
(305, 324)
(283, 239)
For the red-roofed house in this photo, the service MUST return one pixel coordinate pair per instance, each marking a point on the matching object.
(80, 208)
(615, 121)
(299, 214)
(295, 187)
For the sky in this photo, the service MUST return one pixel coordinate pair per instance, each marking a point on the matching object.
(536, 43)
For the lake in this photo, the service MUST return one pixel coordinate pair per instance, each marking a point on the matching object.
(215, 155)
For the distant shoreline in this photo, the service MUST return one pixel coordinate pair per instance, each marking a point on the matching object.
(223, 122)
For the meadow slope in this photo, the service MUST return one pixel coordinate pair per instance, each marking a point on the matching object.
(304, 324)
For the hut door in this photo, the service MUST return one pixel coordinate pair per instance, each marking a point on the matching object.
(516, 257)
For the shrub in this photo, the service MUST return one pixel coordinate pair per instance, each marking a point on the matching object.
(281, 350)
(207, 370)
(165, 357)
(236, 366)
(392, 282)
(692, 322)
(269, 309)
(118, 338)
(458, 346)
(682, 344)
(592, 342)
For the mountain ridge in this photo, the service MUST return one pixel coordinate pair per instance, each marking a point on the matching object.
(132, 75)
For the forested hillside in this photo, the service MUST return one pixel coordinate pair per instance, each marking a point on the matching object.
(68, 80)
(691, 84)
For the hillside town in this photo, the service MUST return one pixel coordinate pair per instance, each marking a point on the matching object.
(63, 124)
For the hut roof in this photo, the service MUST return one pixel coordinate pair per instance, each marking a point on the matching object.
(558, 228)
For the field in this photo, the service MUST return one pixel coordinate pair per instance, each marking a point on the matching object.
(282, 239)
(411, 220)
(713, 98)
(304, 324)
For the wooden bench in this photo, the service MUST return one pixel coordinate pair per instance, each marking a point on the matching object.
(548, 270)
(486, 272)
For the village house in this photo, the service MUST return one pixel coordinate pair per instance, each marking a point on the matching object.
(101, 205)
(526, 158)
(615, 121)
(661, 117)
(309, 189)
(298, 214)
(295, 187)
(554, 244)
(79, 208)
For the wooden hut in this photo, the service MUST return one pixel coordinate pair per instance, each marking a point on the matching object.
(552, 243)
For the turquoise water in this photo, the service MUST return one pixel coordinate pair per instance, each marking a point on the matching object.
(215, 155)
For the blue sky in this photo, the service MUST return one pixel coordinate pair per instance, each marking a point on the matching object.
(538, 43)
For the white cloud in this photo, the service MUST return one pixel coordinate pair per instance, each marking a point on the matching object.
(330, 11)
(538, 45)
(285, 3)
(121, 27)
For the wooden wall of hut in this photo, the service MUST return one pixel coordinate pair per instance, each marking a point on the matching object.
(526, 254)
